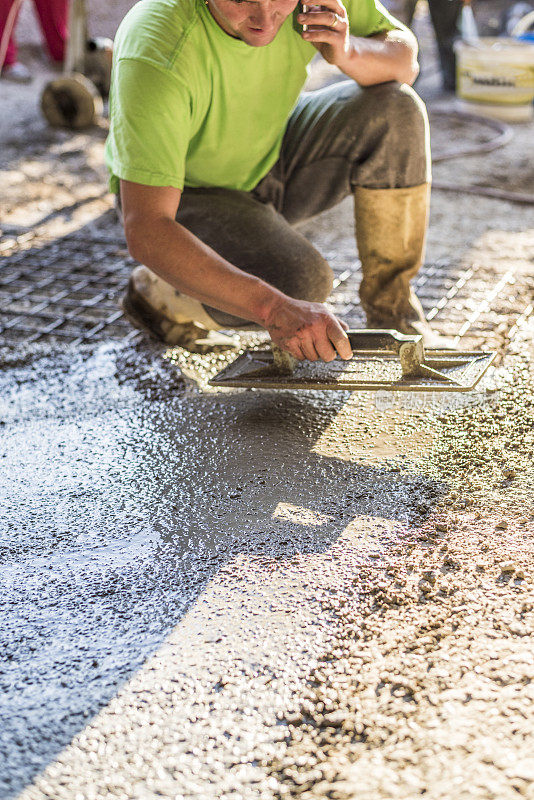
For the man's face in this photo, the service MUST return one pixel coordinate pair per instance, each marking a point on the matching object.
(255, 22)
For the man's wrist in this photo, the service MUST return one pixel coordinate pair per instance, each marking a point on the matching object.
(265, 300)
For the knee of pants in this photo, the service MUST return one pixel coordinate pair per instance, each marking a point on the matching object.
(397, 124)
(405, 110)
(399, 106)
(314, 283)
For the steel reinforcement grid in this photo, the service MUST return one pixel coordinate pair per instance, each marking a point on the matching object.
(67, 290)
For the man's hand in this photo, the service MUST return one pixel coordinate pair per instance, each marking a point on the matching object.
(328, 30)
(387, 56)
(307, 330)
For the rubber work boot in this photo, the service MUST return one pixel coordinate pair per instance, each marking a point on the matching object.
(156, 307)
(390, 233)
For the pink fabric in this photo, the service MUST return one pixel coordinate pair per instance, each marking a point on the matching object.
(53, 16)
(11, 52)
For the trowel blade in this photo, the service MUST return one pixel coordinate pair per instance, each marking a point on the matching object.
(458, 372)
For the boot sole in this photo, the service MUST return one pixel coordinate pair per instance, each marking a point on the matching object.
(139, 316)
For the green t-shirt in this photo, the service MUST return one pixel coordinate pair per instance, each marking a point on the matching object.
(190, 105)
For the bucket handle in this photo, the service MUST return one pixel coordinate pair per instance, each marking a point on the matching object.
(523, 25)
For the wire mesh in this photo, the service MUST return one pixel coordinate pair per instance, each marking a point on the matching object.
(66, 290)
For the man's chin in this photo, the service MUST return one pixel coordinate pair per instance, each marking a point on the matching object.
(257, 38)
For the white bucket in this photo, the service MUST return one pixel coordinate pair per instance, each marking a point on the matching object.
(495, 78)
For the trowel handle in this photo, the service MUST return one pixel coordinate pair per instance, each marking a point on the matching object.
(376, 339)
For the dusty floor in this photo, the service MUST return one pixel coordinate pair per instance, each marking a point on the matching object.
(261, 595)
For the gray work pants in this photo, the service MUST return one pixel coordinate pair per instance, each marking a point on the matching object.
(336, 139)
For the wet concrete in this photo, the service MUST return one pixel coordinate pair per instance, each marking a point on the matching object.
(178, 562)
(260, 594)
(121, 508)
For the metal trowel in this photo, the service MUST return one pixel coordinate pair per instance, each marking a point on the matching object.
(381, 360)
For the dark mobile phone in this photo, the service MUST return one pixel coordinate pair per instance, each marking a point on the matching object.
(302, 7)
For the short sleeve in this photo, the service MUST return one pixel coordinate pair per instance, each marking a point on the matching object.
(368, 17)
(150, 125)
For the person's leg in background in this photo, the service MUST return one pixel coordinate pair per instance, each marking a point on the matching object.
(403, 10)
(9, 66)
(53, 16)
(445, 16)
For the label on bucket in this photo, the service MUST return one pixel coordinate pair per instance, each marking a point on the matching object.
(511, 85)
(491, 75)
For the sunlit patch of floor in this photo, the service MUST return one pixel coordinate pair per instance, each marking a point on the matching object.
(198, 369)
(299, 515)
(364, 431)
(205, 709)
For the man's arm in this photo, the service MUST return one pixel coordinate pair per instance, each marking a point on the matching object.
(307, 330)
(388, 56)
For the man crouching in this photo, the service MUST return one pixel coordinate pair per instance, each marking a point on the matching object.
(216, 154)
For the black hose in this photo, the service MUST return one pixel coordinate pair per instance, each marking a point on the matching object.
(504, 135)
(487, 191)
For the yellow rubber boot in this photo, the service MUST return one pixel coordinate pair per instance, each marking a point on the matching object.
(391, 229)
